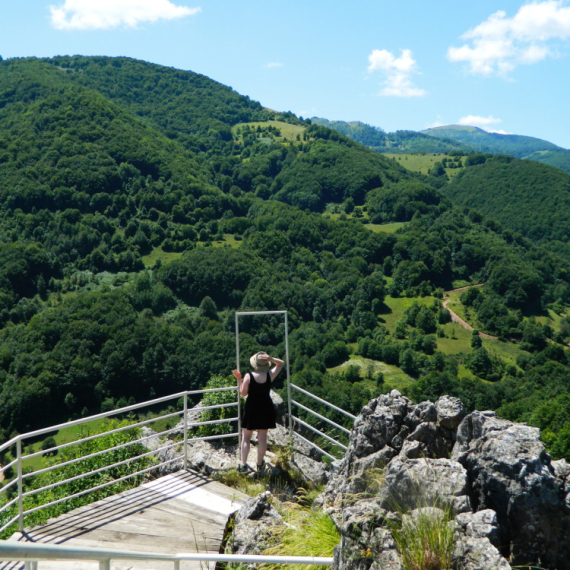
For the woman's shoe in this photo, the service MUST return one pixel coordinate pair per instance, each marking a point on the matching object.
(244, 469)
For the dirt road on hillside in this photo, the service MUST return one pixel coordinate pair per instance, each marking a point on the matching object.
(456, 318)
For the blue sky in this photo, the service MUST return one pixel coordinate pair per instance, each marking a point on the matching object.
(502, 65)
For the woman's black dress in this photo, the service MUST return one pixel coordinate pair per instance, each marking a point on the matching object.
(259, 412)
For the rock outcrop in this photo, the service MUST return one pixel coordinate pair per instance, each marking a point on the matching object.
(511, 503)
(254, 525)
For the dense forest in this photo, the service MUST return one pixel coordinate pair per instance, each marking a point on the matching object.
(141, 206)
(530, 198)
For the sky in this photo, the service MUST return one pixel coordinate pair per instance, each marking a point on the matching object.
(502, 65)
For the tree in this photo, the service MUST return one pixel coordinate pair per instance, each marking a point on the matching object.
(208, 309)
(425, 321)
(481, 364)
(48, 443)
(476, 341)
(408, 362)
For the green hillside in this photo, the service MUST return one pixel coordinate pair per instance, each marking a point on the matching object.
(513, 145)
(530, 198)
(141, 206)
(398, 142)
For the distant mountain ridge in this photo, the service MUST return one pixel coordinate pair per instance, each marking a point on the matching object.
(519, 146)
(451, 138)
(398, 142)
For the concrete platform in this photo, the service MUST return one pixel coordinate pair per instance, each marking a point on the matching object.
(182, 512)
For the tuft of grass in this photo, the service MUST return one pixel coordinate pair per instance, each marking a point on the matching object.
(425, 539)
(308, 533)
(423, 530)
(245, 483)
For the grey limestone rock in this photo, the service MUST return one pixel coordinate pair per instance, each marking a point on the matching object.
(313, 471)
(482, 524)
(254, 525)
(472, 553)
(450, 412)
(412, 483)
(511, 473)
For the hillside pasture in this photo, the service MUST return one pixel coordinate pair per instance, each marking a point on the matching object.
(289, 132)
(422, 162)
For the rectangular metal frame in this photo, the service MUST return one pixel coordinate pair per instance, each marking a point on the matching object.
(264, 313)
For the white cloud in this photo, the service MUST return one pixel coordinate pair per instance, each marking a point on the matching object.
(105, 14)
(397, 72)
(273, 64)
(483, 123)
(476, 121)
(499, 44)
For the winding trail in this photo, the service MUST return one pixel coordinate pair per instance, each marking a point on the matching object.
(456, 318)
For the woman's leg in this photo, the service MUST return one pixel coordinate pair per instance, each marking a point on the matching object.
(245, 443)
(261, 445)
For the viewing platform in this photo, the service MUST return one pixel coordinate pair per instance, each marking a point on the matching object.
(181, 512)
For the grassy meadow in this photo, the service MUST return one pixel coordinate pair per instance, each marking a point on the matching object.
(422, 162)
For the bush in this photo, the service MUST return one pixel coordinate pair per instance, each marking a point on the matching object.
(216, 398)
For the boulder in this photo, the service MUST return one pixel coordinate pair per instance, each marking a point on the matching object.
(415, 483)
(450, 412)
(512, 474)
(254, 526)
(477, 554)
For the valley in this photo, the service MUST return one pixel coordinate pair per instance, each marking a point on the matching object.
(141, 206)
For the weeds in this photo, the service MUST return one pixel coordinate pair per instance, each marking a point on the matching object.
(308, 533)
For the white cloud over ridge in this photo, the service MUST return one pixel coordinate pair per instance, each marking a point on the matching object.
(397, 71)
(482, 122)
(500, 44)
(107, 14)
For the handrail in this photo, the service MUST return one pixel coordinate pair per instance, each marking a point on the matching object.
(321, 434)
(321, 417)
(118, 411)
(323, 402)
(31, 552)
(312, 444)
(20, 459)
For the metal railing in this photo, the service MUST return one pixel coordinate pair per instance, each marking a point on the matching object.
(23, 475)
(319, 433)
(297, 427)
(32, 553)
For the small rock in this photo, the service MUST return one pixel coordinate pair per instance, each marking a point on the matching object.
(450, 412)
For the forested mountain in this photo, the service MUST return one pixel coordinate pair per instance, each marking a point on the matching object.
(398, 142)
(527, 197)
(513, 145)
(140, 206)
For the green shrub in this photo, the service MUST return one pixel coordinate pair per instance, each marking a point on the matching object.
(216, 398)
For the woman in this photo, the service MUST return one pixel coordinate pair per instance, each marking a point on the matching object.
(259, 413)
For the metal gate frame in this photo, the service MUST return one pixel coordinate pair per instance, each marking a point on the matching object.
(252, 313)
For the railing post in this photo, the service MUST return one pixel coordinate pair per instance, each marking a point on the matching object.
(105, 564)
(31, 565)
(177, 565)
(238, 394)
(185, 431)
(20, 486)
(288, 379)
